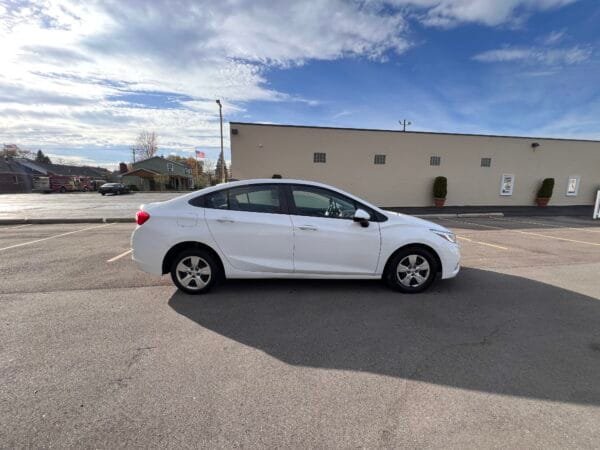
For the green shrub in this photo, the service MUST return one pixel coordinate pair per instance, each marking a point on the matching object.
(546, 188)
(440, 187)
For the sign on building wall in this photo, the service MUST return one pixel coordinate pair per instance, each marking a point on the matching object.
(507, 184)
(572, 186)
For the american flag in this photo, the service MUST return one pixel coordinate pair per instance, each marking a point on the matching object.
(200, 154)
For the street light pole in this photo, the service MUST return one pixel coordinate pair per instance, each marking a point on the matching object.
(222, 156)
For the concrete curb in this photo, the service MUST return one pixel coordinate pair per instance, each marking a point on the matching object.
(67, 220)
(458, 215)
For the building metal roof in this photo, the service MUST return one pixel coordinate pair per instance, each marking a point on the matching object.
(232, 124)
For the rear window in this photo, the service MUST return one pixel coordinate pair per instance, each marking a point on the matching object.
(254, 198)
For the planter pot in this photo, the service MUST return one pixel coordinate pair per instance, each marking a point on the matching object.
(542, 202)
(439, 202)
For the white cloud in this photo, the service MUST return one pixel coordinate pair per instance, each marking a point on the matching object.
(446, 13)
(69, 65)
(534, 55)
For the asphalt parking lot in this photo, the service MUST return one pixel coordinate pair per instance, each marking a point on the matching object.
(94, 353)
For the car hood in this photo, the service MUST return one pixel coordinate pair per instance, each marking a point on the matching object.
(414, 221)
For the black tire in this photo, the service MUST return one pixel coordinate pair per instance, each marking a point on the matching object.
(102, 193)
(412, 285)
(117, 192)
(205, 257)
(63, 189)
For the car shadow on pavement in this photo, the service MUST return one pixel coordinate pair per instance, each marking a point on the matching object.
(483, 331)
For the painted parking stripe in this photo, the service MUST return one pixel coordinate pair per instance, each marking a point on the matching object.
(530, 233)
(552, 225)
(119, 256)
(53, 237)
(481, 243)
(17, 226)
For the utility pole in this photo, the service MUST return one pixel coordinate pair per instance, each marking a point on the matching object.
(133, 154)
(222, 156)
(404, 124)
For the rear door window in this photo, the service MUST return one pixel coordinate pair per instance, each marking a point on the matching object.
(253, 198)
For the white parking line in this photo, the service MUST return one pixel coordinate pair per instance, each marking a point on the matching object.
(53, 237)
(17, 226)
(119, 256)
(530, 233)
(531, 222)
(482, 243)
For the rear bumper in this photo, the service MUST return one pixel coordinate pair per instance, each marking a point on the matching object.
(146, 254)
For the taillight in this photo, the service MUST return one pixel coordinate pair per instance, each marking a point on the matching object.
(141, 217)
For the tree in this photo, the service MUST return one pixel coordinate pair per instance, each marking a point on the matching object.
(41, 158)
(146, 145)
(221, 163)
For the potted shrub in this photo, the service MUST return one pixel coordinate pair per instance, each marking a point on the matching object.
(440, 190)
(545, 192)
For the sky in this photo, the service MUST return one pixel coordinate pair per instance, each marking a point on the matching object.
(81, 79)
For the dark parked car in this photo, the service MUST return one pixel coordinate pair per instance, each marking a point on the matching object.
(113, 188)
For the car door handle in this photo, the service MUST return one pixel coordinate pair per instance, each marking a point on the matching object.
(308, 228)
(223, 220)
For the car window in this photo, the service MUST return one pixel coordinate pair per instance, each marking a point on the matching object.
(216, 200)
(263, 199)
(317, 202)
(258, 198)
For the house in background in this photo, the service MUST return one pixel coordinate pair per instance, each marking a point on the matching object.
(158, 174)
(14, 178)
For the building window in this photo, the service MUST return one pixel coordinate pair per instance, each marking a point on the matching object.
(170, 167)
(320, 157)
(486, 162)
(379, 159)
(435, 161)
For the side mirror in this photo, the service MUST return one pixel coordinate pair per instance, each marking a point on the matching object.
(362, 217)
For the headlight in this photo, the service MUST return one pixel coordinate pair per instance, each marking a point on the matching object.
(449, 236)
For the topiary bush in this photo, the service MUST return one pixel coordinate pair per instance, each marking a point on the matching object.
(440, 187)
(546, 188)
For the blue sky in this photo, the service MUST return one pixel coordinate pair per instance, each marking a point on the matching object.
(81, 79)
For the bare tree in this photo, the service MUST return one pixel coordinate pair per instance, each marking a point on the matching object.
(146, 145)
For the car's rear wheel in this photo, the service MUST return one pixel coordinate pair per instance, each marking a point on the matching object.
(411, 270)
(194, 271)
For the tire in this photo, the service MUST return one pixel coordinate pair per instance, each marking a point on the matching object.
(117, 192)
(200, 265)
(102, 193)
(63, 189)
(403, 274)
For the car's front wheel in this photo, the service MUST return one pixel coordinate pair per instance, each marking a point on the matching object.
(194, 271)
(411, 270)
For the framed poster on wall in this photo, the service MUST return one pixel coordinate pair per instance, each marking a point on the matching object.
(507, 184)
(573, 186)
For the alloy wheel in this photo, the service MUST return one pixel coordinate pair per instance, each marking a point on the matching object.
(413, 271)
(193, 272)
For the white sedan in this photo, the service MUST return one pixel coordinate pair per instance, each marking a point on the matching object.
(277, 228)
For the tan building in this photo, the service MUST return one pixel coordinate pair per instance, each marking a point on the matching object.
(395, 168)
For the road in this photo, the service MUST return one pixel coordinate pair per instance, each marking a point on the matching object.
(97, 354)
(76, 205)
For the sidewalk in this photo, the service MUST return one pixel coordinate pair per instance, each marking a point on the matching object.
(515, 211)
(92, 208)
